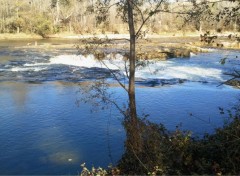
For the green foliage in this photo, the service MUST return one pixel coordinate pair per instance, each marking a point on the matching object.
(69, 14)
(15, 23)
(163, 152)
(42, 26)
(222, 14)
(37, 23)
(178, 153)
(224, 146)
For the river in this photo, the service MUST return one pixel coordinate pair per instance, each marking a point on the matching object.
(43, 131)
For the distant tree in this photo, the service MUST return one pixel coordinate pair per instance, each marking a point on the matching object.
(55, 4)
(222, 13)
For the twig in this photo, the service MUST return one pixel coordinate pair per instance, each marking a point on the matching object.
(139, 159)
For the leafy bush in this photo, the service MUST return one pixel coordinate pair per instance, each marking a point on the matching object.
(223, 148)
(14, 23)
(42, 26)
(178, 153)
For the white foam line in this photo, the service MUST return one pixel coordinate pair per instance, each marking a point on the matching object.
(155, 70)
(18, 69)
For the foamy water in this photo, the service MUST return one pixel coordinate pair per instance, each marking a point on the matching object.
(154, 70)
(88, 61)
(170, 71)
(20, 69)
(199, 68)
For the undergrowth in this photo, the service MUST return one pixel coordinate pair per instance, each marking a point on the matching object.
(179, 153)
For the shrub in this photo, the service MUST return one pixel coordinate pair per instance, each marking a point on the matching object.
(42, 26)
(177, 152)
(13, 24)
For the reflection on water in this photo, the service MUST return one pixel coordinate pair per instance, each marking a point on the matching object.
(61, 158)
(56, 148)
(51, 135)
(19, 94)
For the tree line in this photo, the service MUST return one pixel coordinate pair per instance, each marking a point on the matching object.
(46, 17)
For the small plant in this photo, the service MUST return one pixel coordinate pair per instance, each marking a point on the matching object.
(99, 171)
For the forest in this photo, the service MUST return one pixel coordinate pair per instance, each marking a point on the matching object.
(45, 17)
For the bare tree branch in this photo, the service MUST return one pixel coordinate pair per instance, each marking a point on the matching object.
(149, 15)
(114, 75)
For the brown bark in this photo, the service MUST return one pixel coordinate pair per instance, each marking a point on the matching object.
(134, 139)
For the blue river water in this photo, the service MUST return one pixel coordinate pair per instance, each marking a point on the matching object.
(43, 131)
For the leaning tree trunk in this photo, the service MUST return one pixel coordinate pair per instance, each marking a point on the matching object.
(133, 133)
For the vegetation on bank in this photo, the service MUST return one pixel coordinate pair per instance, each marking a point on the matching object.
(45, 17)
(181, 153)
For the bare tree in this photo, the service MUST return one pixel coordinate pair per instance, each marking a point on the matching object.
(136, 14)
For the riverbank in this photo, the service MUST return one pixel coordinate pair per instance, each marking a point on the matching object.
(20, 36)
(192, 39)
(157, 47)
(226, 40)
(66, 35)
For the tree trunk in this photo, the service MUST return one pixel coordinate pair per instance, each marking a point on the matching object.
(133, 133)
(58, 12)
(70, 26)
(18, 28)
